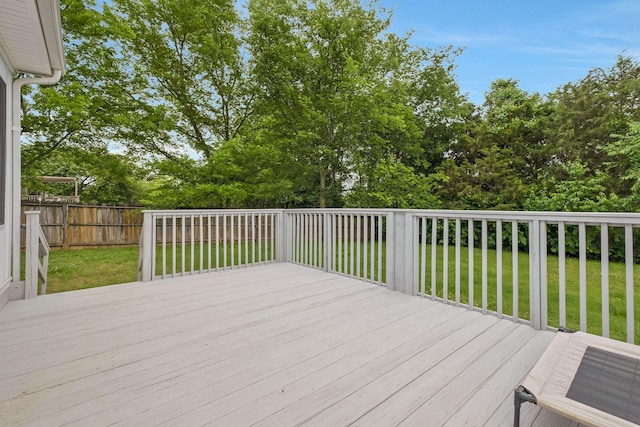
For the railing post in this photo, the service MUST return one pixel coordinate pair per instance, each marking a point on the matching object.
(281, 237)
(327, 243)
(146, 247)
(390, 252)
(31, 254)
(400, 277)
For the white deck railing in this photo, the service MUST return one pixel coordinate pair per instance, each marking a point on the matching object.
(349, 242)
(458, 257)
(179, 242)
(36, 256)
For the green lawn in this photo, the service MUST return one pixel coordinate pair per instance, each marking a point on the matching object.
(88, 268)
(78, 269)
(617, 307)
(232, 256)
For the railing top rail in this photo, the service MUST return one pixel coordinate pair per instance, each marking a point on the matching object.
(590, 218)
(208, 211)
(346, 211)
(595, 218)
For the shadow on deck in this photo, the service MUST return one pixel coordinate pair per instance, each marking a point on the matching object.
(277, 344)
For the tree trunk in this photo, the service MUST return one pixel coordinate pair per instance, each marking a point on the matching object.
(323, 190)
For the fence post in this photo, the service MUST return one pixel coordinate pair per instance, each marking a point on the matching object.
(146, 247)
(31, 254)
(65, 226)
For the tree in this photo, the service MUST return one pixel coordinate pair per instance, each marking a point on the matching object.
(517, 122)
(344, 97)
(395, 185)
(319, 65)
(189, 74)
(70, 128)
(103, 177)
(502, 152)
(624, 152)
(589, 112)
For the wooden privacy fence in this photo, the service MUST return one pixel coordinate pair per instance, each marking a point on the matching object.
(81, 226)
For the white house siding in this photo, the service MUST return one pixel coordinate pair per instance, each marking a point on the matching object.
(5, 168)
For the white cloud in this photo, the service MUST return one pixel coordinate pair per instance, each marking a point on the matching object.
(433, 35)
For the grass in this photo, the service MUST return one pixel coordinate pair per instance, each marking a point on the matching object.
(617, 288)
(89, 268)
(197, 256)
(79, 269)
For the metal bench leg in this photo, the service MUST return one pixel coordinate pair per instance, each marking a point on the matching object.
(520, 395)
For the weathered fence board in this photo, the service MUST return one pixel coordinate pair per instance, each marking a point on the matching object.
(81, 226)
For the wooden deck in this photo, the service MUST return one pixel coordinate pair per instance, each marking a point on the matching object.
(271, 345)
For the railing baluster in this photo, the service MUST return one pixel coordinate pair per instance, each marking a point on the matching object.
(232, 239)
(345, 232)
(485, 265)
(604, 268)
(200, 229)
(339, 259)
(434, 249)
(365, 238)
(335, 231)
(154, 234)
(380, 224)
(192, 237)
(209, 237)
(351, 244)
(562, 276)
(326, 241)
(423, 258)
(582, 243)
(239, 234)
(543, 276)
(184, 249)
(630, 306)
(458, 260)
(358, 242)
(273, 237)
(217, 241)
(470, 262)
(318, 234)
(246, 239)
(334, 243)
(224, 240)
(372, 243)
(514, 268)
(312, 240)
(260, 257)
(174, 245)
(318, 241)
(499, 267)
(445, 259)
(253, 238)
(164, 246)
(306, 240)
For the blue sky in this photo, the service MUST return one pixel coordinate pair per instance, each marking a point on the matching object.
(543, 44)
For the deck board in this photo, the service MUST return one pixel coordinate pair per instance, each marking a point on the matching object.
(277, 344)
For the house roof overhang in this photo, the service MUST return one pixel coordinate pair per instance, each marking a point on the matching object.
(31, 36)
